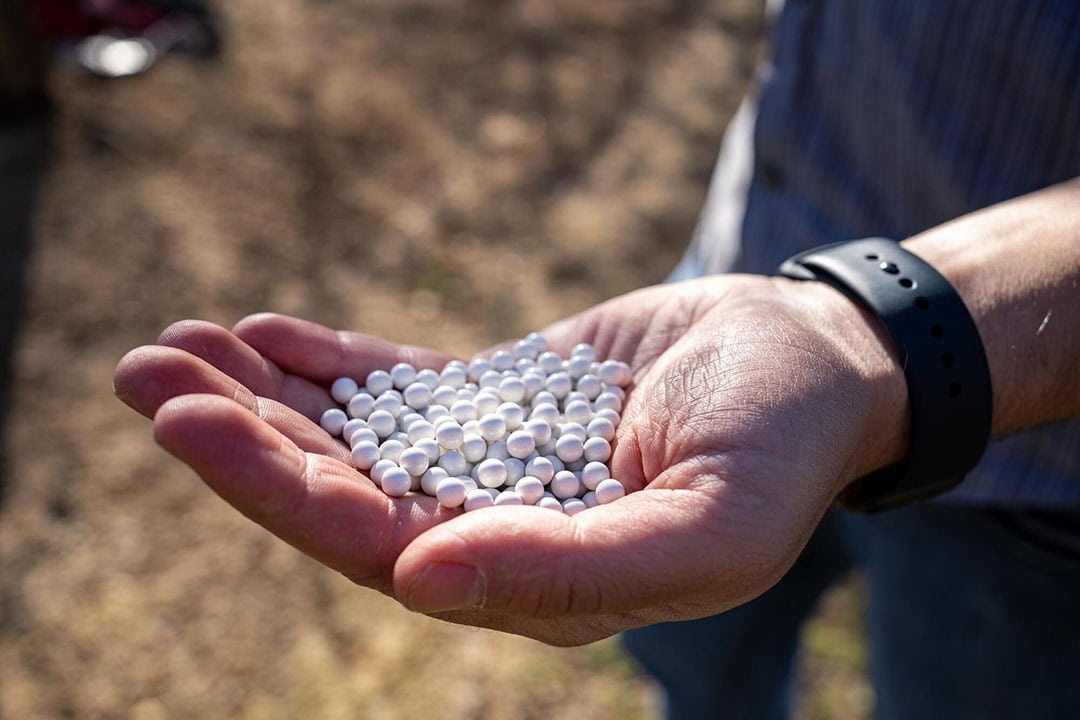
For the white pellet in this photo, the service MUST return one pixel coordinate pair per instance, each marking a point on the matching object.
(396, 482)
(601, 427)
(464, 410)
(364, 435)
(428, 377)
(417, 395)
(492, 427)
(530, 488)
(491, 379)
(549, 503)
(351, 427)
(578, 411)
(597, 449)
(549, 362)
(449, 435)
(444, 395)
(565, 484)
(574, 396)
(573, 428)
(538, 341)
(434, 412)
(569, 448)
(589, 499)
(419, 430)
(365, 455)
(540, 431)
(333, 421)
(520, 444)
(572, 506)
(502, 360)
(545, 397)
(578, 366)
(541, 468)
(547, 412)
(473, 447)
(512, 389)
(342, 389)
(469, 483)
(391, 450)
(559, 384)
(378, 382)
(583, 350)
(609, 491)
(593, 474)
(451, 492)
(614, 372)
(524, 349)
(509, 497)
(607, 401)
(379, 468)
(590, 385)
(430, 448)
(497, 450)
(403, 375)
(477, 499)
(491, 473)
(453, 376)
(534, 383)
(487, 402)
(453, 463)
(360, 405)
(512, 414)
(429, 481)
(387, 403)
(515, 470)
(612, 415)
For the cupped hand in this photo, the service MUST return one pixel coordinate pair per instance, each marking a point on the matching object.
(754, 401)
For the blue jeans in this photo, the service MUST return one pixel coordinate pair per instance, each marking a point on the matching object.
(971, 613)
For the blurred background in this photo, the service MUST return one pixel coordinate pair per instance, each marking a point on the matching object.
(442, 173)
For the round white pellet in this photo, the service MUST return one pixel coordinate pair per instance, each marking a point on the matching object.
(565, 484)
(364, 435)
(538, 341)
(549, 413)
(549, 503)
(470, 484)
(549, 362)
(477, 499)
(601, 427)
(609, 490)
(502, 360)
(464, 410)
(430, 448)
(541, 468)
(578, 411)
(491, 379)
(574, 396)
(612, 415)
(534, 383)
(486, 402)
(400, 437)
(396, 482)
(417, 395)
(512, 414)
(520, 444)
(473, 447)
(342, 389)
(497, 450)
(478, 367)
(530, 488)
(378, 382)
(428, 377)
(572, 506)
(559, 384)
(451, 492)
(453, 376)
(492, 427)
(391, 450)
(449, 435)
(544, 397)
(515, 470)
(569, 448)
(509, 497)
(607, 401)
(556, 462)
(523, 349)
(333, 421)
(573, 428)
(429, 481)
(453, 463)
(597, 449)
(583, 350)
(589, 385)
(413, 461)
(419, 430)
(444, 395)
(406, 420)
(589, 499)
(360, 405)
(467, 391)
(434, 412)
(441, 420)
(351, 427)
(493, 492)
(540, 431)
(615, 372)
(491, 473)
(403, 375)
(593, 474)
(577, 465)
(578, 366)
(387, 403)
(512, 389)
(365, 455)
(379, 468)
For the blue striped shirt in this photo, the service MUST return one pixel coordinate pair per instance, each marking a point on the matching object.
(882, 117)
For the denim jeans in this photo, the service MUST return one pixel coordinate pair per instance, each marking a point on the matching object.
(971, 613)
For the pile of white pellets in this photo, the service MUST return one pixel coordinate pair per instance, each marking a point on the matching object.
(521, 427)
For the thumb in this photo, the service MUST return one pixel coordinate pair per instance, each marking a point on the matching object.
(651, 548)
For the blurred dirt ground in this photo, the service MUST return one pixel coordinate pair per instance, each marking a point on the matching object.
(450, 174)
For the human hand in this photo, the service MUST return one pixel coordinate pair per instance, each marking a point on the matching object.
(754, 401)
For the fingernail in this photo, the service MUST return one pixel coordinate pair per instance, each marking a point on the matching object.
(446, 586)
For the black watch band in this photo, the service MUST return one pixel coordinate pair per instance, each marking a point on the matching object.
(943, 359)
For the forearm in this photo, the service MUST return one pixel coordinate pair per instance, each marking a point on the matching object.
(1017, 267)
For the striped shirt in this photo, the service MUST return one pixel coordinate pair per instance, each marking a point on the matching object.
(888, 117)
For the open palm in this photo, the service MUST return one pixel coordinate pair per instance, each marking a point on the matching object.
(753, 401)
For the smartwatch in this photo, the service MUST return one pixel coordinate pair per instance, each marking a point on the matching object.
(944, 363)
